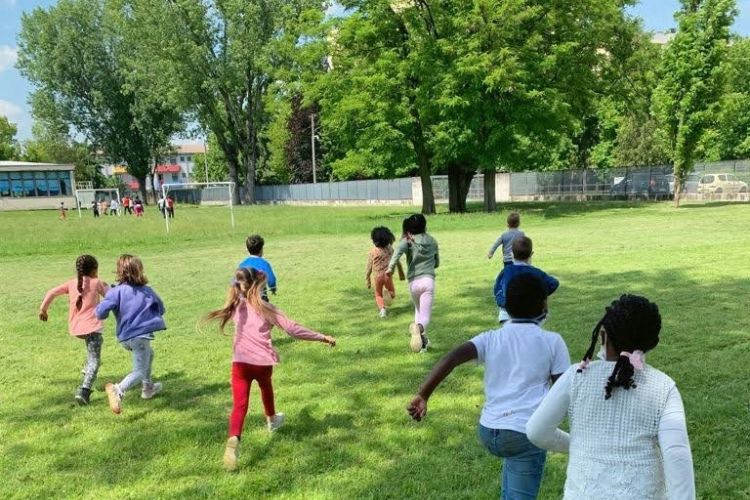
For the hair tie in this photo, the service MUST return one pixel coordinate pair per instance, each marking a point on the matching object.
(636, 358)
(583, 364)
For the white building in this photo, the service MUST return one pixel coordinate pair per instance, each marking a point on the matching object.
(31, 186)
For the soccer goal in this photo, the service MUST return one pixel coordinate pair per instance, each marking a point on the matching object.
(85, 196)
(200, 193)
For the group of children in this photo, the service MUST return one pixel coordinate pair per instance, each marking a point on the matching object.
(627, 439)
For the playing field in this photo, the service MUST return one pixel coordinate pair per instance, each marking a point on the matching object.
(348, 435)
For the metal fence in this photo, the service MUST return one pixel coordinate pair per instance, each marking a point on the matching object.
(369, 190)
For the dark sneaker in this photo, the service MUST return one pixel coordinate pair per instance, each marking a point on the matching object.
(82, 396)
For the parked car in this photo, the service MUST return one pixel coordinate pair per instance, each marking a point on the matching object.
(641, 186)
(690, 186)
(721, 184)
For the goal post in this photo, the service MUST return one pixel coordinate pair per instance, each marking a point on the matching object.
(192, 186)
(87, 195)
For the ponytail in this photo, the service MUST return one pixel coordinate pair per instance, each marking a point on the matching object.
(247, 285)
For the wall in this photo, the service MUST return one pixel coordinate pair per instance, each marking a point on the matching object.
(41, 203)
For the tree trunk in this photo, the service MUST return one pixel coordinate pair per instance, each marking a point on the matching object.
(425, 170)
(677, 190)
(249, 162)
(142, 189)
(490, 201)
(459, 181)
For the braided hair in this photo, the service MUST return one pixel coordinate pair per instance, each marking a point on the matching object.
(631, 323)
(85, 266)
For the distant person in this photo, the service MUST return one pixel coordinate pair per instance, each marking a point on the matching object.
(377, 264)
(103, 207)
(140, 313)
(253, 356)
(138, 207)
(255, 244)
(522, 252)
(162, 206)
(95, 208)
(628, 437)
(169, 204)
(114, 207)
(127, 209)
(507, 238)
(83, 297)
(422, 259)
(63, 211)
(521, 361)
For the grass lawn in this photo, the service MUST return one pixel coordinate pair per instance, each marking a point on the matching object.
(348, 435)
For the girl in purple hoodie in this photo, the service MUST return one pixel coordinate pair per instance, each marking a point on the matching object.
(138, 310)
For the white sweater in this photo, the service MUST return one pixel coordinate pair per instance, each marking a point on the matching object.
(633, 446)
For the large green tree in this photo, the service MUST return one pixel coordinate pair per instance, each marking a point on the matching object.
(73, 54)
(218, 59)
(692, 79)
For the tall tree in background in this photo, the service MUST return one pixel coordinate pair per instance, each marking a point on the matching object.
(692, 81)
(8, 144)
(72, 54)
(217, 164)
(298, 147)
(218, 59)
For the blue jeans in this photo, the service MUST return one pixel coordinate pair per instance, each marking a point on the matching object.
(523, 466)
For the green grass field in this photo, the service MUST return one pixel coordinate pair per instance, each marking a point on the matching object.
(348, 435)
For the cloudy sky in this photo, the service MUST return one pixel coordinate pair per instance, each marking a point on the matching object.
(657, 16)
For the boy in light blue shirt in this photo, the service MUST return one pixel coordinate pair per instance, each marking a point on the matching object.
(256, 261)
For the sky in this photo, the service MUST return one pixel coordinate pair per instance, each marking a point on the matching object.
(657, 15)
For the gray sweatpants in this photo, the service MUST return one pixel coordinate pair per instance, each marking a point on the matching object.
(143, 359)
(94, 343)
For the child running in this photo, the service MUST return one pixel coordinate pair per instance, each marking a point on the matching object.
(507, 238)
(254, 356)
(83, 293)
(523, 249)
(139, 312)
(138, 207)
(422, 259)
(377, 263)
(254, 245)
(629, 443)
(520, 361)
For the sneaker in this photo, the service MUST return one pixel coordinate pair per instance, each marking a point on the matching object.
(387, 297)
(383, 313)
(231, 454)
(425, 344)
(416, 342)
(114, 396)
(276, 422)
(83, 396)
(150, 390)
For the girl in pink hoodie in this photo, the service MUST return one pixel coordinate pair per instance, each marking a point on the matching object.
(254, 356)
(83, 292)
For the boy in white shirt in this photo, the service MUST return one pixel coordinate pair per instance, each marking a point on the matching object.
(521, 361)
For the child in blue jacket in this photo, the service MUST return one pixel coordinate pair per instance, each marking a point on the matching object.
(522, 252)
(139, 312)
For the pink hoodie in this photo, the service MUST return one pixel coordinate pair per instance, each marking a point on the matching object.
(252, 336)
(83, 321)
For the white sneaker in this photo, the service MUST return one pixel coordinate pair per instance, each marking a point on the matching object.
(276, 422)
(231, 454)
(426, 345)
(383, 313)
(387, 297)
(114, 396)
(149, 391)
(416, 338)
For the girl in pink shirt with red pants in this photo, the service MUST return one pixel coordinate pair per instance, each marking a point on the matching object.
(83, 293)
(254, 356)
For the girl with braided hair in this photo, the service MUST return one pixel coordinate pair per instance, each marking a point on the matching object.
(254, 356)
(628, 438)
(84, 292)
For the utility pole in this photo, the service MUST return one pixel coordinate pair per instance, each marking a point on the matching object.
(205, 155)
(312, 141)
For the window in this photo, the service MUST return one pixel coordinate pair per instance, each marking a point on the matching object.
(4, 185)
(175, 177)
(731, 178)
(184, 175)
(40, 180)
(182, 159)
(53, 183)
(190, 159)
(28, 184)
(722, 177)
(173, 161)
(65, 187)
(708, 179)
(16, 185)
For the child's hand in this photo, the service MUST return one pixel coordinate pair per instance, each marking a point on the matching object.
(368, 284)
(331, 341)
(43, 315)
(489, 255)
(417, 408)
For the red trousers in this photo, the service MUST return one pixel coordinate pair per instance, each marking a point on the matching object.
(383, 281)
(243, 375)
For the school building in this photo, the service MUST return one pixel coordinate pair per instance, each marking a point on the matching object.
(36, 186)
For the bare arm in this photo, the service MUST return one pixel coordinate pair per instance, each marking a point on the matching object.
(49, 297)
(465, 352)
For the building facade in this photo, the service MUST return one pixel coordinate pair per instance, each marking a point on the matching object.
(36, 186)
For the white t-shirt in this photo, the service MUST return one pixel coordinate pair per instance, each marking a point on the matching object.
(519, 359)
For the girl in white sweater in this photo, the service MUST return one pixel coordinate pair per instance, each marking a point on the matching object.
(628, 438)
